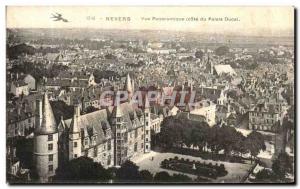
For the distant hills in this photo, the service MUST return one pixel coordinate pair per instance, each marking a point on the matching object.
(153, 35)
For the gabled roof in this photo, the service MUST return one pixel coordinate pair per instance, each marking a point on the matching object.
(92, 123)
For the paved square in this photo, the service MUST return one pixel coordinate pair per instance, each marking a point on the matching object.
(236, 171)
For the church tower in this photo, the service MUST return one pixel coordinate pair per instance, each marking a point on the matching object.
(45, 141)
(147, 125)
(120, 149)
(210, 65)
(74, 135)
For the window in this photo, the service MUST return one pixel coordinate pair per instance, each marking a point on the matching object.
(50, 147)
(147, 147)
(135, 147)
(135, 133)
(50, 168)
(142, 145)
(75, 155)
(50, 157)
(95, 151)
(109, 160)
(108, 145)
(147, 132)
(75, 144)
(50, 137)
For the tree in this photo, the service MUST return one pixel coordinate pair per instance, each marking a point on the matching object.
(128, 172)
(162, 176)
(264, 175)
(17, 50)
(24, 152)
(100, 74)
(199, 54)
(146, 176)
(82, 169)
(221, 51)
(254, 143)
(282, 165)
(180, 178)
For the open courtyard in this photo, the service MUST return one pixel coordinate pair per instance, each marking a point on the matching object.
(152, 160)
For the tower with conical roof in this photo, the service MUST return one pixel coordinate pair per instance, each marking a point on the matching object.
(74, 135)
(117, 121)
(147, 125)
(128, 87)
(45, 141)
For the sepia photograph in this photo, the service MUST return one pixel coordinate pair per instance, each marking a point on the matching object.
(150, 95)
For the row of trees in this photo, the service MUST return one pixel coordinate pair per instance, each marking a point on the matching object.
(13, 52)
(177, 133)
(85, 170)
(38, 70)
(100, 74)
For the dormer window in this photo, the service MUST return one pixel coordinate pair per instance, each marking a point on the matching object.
(94, 140)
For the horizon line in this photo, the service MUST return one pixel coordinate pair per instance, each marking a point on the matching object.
(230, 34)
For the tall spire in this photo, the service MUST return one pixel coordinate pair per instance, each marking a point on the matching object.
(74, 128)
(48, 123)
(147, 104)
(117, 112)
(128, 84)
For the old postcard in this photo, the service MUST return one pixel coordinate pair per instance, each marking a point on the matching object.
(150, 95)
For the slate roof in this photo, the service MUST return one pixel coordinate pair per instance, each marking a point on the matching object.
(93, 123)
(96, 122)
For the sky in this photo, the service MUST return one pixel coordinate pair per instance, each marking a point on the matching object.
(257, 21)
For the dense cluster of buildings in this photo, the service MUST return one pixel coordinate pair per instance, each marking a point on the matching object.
(225, 93)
